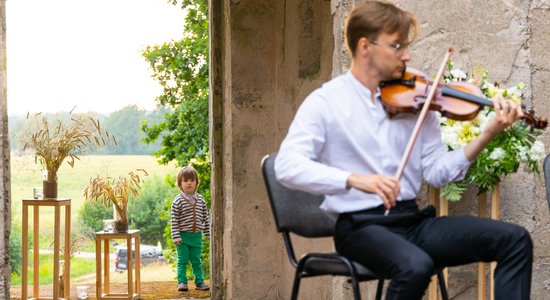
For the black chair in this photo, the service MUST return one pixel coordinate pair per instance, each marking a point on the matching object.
(298, 212)
(546, 168)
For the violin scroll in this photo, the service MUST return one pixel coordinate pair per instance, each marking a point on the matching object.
(534, 121)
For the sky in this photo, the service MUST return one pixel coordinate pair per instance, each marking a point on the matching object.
(84, 53)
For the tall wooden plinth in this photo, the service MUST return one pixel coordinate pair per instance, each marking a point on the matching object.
(56, 204)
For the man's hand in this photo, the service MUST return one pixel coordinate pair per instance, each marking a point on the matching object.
(506, 113)
(177, 242)
(387, 188)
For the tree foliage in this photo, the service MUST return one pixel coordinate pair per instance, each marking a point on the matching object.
(93, 213)
(124, 124)
(144, 210)
(16, 248)
(181, 68)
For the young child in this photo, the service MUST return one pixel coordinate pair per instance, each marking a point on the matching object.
(189, 219)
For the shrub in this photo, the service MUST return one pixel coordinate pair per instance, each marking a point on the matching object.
(144, 211)
(93, 213)
(15, 248)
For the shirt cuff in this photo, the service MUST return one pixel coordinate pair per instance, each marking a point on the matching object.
(342, 180)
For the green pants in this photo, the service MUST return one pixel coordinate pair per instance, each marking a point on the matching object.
(190, 250)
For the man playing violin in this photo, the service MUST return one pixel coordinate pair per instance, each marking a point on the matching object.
(343, 144)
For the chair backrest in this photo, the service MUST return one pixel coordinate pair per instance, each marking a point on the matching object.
(546, 167)
(295, 211)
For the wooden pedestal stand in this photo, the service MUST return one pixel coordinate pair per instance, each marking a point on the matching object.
(56, 203)
(134, 287)
(443, 210)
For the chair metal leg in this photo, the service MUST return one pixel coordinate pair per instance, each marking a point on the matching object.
(355, 288)
(442, 285)
(379, 289)
(296, 284)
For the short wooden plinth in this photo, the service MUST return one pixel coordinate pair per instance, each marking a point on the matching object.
(102, 278)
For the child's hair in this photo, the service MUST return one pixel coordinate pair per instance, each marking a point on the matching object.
(186, 173)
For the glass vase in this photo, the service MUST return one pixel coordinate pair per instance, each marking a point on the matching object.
(121, 220)
(49, 185)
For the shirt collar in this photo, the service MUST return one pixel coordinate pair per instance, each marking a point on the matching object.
(362, 90)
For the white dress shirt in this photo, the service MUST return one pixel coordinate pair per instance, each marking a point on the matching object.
(338, 131)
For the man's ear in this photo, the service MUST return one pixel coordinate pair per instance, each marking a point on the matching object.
(363, 45)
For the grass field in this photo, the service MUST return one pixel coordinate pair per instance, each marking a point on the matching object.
(79, 267)
(25, 175)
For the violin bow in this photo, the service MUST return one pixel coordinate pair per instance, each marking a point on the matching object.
(421, 118)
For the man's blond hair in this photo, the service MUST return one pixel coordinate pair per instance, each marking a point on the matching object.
(375, 17)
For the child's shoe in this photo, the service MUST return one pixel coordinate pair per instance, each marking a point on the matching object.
(182, 287)
(201, 286)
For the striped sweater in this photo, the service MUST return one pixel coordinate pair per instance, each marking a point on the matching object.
(188, 216)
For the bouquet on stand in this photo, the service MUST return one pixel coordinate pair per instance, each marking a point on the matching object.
(518, 145)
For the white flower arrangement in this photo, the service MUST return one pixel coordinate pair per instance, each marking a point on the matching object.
(503, 155)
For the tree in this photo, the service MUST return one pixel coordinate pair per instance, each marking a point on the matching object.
(124, 124)
(93, 213)
(5, 199)
(181, 68)
(144, 210)
(16, 247)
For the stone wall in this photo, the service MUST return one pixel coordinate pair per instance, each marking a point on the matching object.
(266, 56)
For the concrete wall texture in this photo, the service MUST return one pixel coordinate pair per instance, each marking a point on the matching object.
(266, 56)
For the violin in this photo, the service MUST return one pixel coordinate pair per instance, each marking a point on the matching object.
(459, 101)
(413, 92)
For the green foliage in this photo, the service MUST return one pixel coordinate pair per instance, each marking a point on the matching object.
(205, 258)
(453, 191)
(486, 171)
(15, 248)
(124, 124)
(181, 68)
(93, 213)
(144, 210)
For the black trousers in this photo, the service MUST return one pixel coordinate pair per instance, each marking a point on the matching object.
(407, 245)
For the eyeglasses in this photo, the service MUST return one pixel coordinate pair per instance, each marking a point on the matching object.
(398, 49)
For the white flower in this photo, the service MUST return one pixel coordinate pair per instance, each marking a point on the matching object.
(497, 154)
(537, 151)
(459, 74)
(492, 90)
(522, 153)
(483, 118)
(449, 137)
